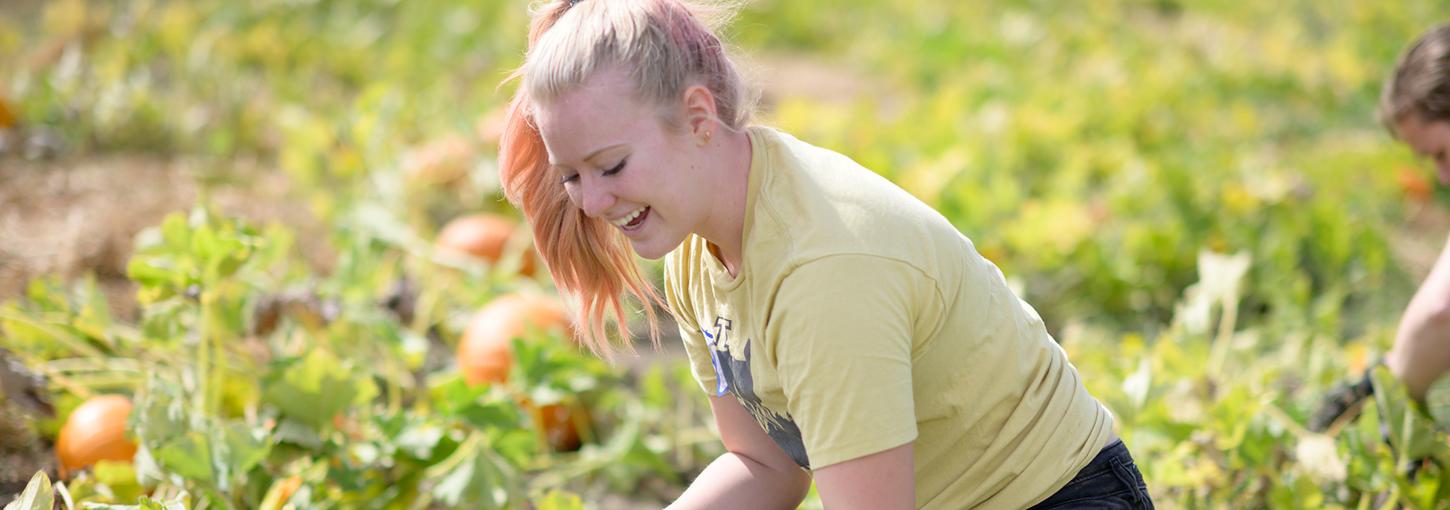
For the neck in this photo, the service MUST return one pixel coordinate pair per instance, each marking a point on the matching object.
(725, 229)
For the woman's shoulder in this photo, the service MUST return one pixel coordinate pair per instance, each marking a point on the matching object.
(823, 203)
(809, 175)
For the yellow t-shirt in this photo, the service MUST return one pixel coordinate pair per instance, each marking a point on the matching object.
(862, 320)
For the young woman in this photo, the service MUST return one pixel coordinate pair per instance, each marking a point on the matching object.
(844, 331)
(1415, 107)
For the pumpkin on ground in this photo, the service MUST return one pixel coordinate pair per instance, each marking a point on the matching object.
(96, 431)
(484, 350)
(485, 356)
(482, 236)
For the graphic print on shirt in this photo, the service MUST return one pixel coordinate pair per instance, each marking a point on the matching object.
(733, 375)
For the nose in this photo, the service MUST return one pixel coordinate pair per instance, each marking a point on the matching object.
(595, 197)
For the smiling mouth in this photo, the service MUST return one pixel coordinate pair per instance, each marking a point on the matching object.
(632, 221)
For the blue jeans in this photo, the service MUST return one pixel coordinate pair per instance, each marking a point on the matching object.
(1110, 482)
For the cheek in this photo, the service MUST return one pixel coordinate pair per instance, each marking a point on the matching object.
(572, 193)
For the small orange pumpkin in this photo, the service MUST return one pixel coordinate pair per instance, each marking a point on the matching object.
(96, 431)
(483, 236)
(484, 350)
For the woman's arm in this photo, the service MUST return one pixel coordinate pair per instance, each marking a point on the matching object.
(1422, 347)
(753, 473)
(882, 480)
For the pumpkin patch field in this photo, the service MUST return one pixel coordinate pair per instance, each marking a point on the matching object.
(255, 254)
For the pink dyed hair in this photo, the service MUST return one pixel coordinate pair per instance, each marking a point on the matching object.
(668, 48)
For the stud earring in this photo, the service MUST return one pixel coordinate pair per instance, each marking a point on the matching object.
(705, 139)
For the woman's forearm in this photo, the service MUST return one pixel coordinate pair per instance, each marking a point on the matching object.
(736, 481)
(1422, 345)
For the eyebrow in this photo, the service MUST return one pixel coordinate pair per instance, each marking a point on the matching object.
(591, 155)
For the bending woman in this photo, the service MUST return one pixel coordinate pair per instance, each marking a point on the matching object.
(843, 331)
(1415, 107)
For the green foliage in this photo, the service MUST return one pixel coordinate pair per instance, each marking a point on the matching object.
(316, 388)
(557, 500)
(38, 495)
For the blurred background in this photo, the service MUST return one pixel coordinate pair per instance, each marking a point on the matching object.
(253, 254)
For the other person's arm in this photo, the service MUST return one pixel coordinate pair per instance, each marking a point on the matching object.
(1421, 353)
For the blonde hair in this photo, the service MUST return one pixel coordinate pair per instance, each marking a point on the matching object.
(1420, 83)
(666, 46)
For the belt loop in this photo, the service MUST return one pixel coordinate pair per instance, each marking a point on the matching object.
(1124, 475)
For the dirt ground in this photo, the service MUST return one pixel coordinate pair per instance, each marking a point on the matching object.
(71, 217)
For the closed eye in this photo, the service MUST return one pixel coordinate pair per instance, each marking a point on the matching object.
(573, 177)
(617, 168)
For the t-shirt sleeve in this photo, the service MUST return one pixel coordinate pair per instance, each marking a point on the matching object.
(677, 296)
(843, 329)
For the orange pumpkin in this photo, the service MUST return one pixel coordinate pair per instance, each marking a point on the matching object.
(558, 423)
(96, 431)
(484, 350)
(8, 118)
(483, 236)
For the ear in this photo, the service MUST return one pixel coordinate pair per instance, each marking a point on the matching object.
(700, 114)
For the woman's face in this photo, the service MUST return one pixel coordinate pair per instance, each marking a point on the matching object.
(1431, 140)
(621, 163)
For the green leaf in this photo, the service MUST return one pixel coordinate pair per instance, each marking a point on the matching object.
(94, 317)
(189, 456)
(1437, 400)
(180, 502)
(162, 413)
(47, 294)
(473, 476)
(315, 389)
(1411, 433)
(519, 445)
(177, 502)
(120, 477)
(492, 414)
(150, 272)
(451, 394)
(38, 495)
(175, 233)
(559, 500)
(295, 432)
(245, 447)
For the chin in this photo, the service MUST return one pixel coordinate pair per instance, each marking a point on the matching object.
(654, 250)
